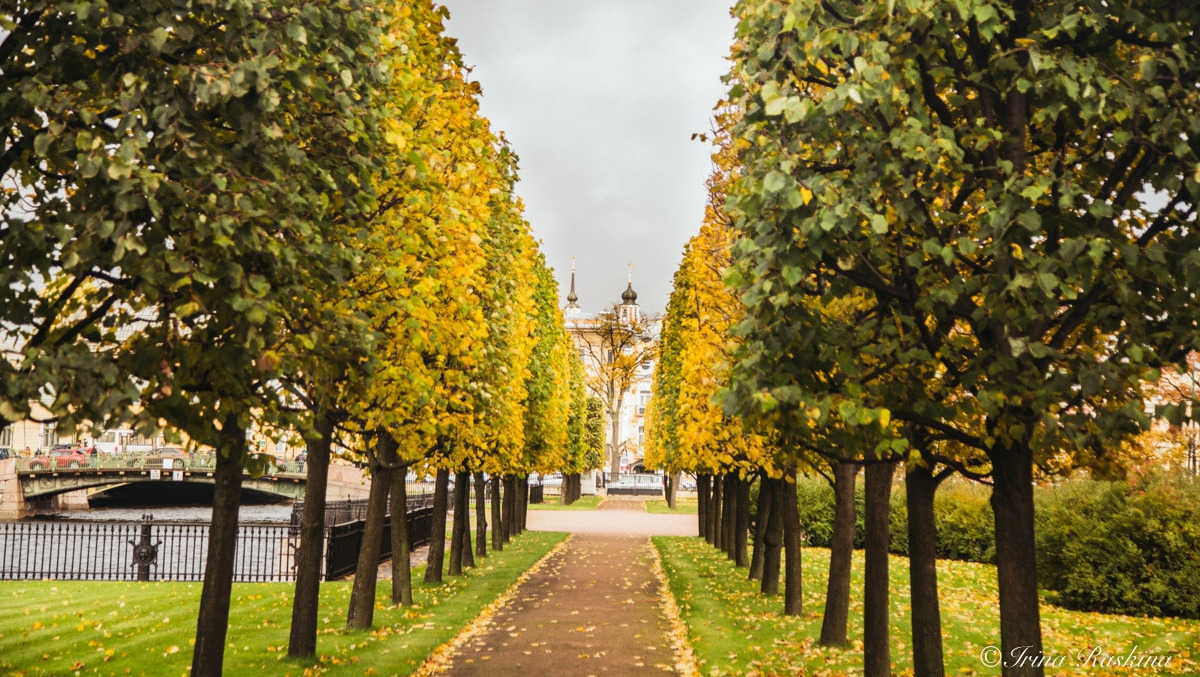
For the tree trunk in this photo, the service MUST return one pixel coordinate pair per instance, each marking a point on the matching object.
(715, 523)
(920, 487)
(841, 553)
(468, 554)
(729, 519)
(458, 527)
(877, 660)
(523, 501)
(614, 463)
(1016, 566)
(436, 557)
(793, 600)
(481, 524)
(208, 655)
(361, 613)
(760, 525)
(401, 548)
(773, 541)
(302, 642)
(497, 520)
(703, 486)
(510, 503)
(741, 526)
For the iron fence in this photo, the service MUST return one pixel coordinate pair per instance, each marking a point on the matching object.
(341, 512)
(344, 541)
(178, 551)
(147, 550)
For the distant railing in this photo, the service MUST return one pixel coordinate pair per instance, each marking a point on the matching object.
(634, 484)
(137, 461)
(341, 512)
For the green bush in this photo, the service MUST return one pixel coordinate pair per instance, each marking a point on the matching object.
(1120, 547)
(1116, 547)
(961, 512)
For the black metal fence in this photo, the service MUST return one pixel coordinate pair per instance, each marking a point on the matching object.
(344, 541)
(147, 550)
(341, 512)
(177, 551)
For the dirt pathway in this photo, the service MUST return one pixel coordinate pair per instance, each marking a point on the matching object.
(593, 608)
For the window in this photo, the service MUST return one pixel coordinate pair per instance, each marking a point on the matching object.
(6, 437)
(48, 436)
(643, 399)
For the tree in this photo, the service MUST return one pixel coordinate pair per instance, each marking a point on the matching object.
(194, 181)
(955, 169)
(615, 350)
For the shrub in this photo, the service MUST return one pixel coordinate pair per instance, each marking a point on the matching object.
(1119, 547)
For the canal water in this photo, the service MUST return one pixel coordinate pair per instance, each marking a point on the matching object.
(247, 514)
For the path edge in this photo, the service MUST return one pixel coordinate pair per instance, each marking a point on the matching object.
(685, 657)
(437, 661)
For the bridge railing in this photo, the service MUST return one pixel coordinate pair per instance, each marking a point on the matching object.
(205, 462)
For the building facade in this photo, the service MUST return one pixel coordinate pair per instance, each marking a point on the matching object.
(616, 346)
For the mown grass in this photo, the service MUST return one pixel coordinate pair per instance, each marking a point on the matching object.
(736, 631)
(119, 628)
(684, 505)
(551, 503)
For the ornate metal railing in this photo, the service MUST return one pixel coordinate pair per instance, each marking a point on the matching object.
(177, 551)
(136, 462)
(146, 550)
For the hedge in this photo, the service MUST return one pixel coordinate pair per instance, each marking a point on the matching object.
(1118, 547)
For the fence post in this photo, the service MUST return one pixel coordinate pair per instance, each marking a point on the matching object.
(144, 553)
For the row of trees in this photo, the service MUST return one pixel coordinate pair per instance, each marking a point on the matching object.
(285, 215)
(963, 238)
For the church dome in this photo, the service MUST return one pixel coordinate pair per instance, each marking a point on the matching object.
(629, 296)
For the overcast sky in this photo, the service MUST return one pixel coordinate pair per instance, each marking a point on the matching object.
(600, 98)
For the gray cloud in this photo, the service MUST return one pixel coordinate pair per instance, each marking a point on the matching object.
(600, 99)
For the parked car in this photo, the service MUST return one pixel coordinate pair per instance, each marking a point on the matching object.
(166, 457)
(60, 458)
(168, 452)
(5, 452)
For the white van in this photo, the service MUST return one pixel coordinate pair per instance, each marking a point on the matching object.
(122, 440)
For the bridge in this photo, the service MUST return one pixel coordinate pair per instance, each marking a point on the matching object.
(68, 481)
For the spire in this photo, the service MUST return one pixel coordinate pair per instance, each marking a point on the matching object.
(629, 296)
(572, 307)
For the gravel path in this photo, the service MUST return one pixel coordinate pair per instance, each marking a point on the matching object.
(594, 606)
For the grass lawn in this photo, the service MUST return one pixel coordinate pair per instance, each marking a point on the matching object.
(683, 506)
(583, 503)
(736, 631)
(121, 628)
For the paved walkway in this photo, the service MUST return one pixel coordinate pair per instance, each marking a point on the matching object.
(594, 607)
(616, 517)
